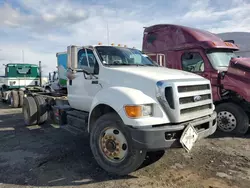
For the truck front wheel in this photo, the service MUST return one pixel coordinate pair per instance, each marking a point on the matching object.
(111, 145)
(232, 119)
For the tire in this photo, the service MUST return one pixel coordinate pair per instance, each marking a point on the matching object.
(21, 94)
(133, 157)
(235, 119)
(48, 90)
(42, 114)
(29, 111)
(14, 99)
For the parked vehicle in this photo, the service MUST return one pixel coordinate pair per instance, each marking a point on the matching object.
(127, 104)
(58, 79)
(205, 54)
(18, 80)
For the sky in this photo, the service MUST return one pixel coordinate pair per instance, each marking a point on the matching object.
(35, 30)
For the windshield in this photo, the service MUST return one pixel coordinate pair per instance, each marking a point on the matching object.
(220, 58)
(118, 56)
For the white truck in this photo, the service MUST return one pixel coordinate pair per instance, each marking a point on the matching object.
(127, 104)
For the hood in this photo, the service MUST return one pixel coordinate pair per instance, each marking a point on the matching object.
(154, 73)
(144, 78)
(240, 67)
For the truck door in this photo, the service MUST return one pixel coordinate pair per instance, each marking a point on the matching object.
(193, 61)
(84, 87)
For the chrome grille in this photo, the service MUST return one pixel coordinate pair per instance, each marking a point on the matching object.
(182, 89)
(196, 109)
(190, 99)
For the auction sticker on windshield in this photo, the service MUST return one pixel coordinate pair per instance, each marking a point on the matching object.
(189, 137)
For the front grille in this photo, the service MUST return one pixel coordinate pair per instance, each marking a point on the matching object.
(182, 89)
(196, 109)
(185, 100)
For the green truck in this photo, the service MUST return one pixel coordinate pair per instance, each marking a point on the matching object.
(18, 80)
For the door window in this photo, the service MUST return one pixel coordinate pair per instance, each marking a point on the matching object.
(87, 60)
(192, 62)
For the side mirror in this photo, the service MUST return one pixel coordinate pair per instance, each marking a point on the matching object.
(88, 70)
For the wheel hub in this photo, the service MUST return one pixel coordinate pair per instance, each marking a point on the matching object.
(226, 121)
(113, 145)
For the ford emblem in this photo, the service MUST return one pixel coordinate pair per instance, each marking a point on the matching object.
(197, 98)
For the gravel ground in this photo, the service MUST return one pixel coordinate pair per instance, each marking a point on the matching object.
(48, 156)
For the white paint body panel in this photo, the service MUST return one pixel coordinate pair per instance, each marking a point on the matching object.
(123, 85)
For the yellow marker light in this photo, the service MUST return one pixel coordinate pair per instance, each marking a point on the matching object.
(228, 44)
(119, 44)
(133, 111)
(99, 43)
(112, 44)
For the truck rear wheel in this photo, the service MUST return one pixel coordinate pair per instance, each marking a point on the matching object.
(42, 114)
(14, 99)
(21, 94)
(232, 119)
(29, 110)
(111, 145)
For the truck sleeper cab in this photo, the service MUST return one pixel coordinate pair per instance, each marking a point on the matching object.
(205, 54)
(129, 105)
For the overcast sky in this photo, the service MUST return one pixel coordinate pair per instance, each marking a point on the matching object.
(43, 27)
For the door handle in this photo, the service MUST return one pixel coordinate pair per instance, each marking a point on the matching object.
(95, 82)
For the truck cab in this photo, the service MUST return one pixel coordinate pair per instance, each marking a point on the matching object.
(205, 54)
(18, 77)
(128, 105)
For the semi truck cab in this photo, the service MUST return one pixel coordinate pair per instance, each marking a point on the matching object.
(205, 54)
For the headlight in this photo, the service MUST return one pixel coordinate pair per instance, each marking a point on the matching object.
(137, 111)
(160, 90)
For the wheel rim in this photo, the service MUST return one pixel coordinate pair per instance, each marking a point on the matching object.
(113, 145)
(226, 121)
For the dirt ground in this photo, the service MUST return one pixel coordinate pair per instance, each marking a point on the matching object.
(48, 156)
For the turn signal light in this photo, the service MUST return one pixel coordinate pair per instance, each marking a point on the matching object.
(133, 111)
(119, 44)
(99, 43)
(112, 44)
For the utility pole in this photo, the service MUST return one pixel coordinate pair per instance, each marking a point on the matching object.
(40, 73)
(23, 55)
(108, 32)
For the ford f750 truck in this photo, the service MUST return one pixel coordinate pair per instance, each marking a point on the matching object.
(205, 54)
(127, 104)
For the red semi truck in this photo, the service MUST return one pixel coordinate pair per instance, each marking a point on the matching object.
(204, 53)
